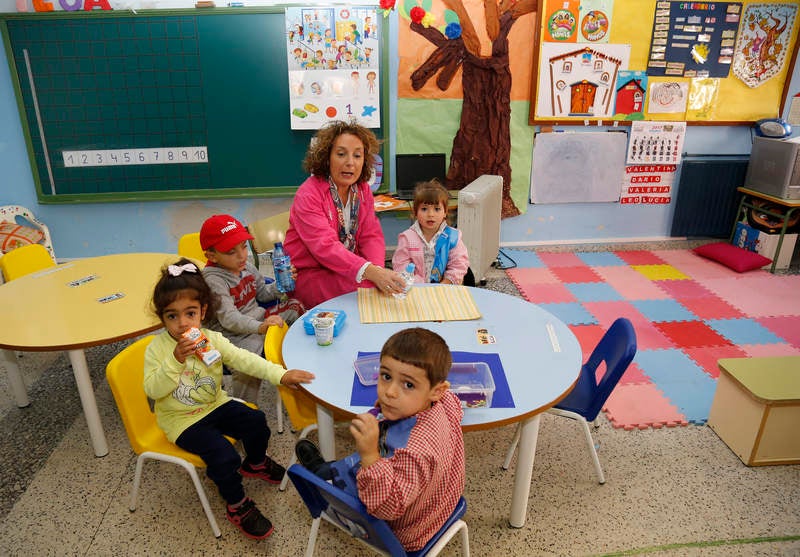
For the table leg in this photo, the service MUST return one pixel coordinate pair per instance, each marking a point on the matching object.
(522, 477)
(327, 441)
(15, 378)
(84, 382)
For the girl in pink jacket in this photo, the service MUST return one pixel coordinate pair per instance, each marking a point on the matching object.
(436, 250)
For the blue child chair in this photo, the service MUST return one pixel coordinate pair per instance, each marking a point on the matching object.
(584, 402)
(324, 500)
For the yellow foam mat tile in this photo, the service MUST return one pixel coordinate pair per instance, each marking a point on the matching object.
(660, 272)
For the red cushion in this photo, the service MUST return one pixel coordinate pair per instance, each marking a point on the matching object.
(733, 257)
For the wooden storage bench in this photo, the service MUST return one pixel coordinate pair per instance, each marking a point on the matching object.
(756, 409)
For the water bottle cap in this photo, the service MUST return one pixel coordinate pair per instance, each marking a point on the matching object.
(410, 268)
(278, 244)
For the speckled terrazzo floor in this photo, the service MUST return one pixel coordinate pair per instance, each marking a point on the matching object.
(670, 492)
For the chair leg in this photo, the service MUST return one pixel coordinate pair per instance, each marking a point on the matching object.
(458, 527)
(189, 467)
(303, 435)
(312, 537)
(590, 443)
(279, 412)
(512, 448)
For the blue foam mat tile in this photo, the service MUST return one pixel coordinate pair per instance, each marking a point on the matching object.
(523, 259)
(663, 310)
(681, 380)
(593, 291)
(601, 259)
(744, 331)
(571, 313)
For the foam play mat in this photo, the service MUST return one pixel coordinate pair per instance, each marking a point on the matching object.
(688, 312)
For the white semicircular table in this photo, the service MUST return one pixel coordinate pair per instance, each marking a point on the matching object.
(540, 356)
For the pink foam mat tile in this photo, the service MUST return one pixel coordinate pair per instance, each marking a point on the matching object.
(641, 407)
(759, 295)
(634, 376)
(710, 307)
(648, 337)
(538, 275)
(630, 283)
(607, 312)
(639, 257)
(560, 259)
(786, 327)
(701, 268)
(683, 288)
(763, 350)
(547, 293)
(707, 356)
(576, 274)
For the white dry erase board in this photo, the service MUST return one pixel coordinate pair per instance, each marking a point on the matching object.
(578, 167)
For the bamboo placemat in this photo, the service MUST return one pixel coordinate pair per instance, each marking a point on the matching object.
(441, 302)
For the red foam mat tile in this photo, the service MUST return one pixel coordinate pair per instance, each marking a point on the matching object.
(707, 356)
(786, 327)
(639, 257)
(560, 259)
(576, 274)
(691, 334)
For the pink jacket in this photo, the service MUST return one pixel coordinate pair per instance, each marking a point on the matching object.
(411, 248)
(325, 269)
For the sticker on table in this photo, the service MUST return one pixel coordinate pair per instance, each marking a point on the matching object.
(484, 337)
(111, 297)
(82, 280)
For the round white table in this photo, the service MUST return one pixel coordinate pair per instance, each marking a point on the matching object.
(60, 309)
(540, 356)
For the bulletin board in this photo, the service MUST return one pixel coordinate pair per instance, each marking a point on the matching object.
(623, 40)
(190, 103)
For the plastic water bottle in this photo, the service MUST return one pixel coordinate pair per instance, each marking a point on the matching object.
(408, 276)
(282, 265)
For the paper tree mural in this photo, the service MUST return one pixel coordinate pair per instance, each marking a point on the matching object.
(482, 144)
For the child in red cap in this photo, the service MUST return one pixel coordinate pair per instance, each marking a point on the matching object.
(240, 288)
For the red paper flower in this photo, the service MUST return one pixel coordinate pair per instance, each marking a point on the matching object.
(416, 14)
(387, 4)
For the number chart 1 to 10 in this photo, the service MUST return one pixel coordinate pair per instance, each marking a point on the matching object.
(123, 157)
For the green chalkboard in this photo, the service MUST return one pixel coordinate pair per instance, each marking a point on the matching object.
(203, 93)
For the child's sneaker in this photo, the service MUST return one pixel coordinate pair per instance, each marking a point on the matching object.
(270, 471)
(249, 520)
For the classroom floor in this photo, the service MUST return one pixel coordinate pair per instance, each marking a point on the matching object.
(668, 492)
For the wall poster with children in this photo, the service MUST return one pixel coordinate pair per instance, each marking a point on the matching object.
(333, 64)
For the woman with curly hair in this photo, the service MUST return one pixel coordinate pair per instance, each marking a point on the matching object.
(335, 239)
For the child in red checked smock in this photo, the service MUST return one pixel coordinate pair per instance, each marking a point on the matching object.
(409, 466)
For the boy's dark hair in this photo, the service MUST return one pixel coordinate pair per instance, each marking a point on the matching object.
(420, 348)
(318, 156)
(169, 288)
(431, 192)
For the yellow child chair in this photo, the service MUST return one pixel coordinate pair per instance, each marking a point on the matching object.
(266, 232)
(189, 246)
(25, 260)
(301, 409)
(125, 375)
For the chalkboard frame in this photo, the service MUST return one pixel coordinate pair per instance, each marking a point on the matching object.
(278, 190)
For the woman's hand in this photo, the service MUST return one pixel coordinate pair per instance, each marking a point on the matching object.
(294, 272)
(385, 280)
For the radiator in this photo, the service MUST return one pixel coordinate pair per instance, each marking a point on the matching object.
(707, 198)
(479, 206)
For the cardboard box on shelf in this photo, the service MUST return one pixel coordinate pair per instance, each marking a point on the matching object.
(765, 244)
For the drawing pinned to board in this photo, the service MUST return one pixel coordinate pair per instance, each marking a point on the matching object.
(763, 42)
(562, 20)
(577, 167)
(656, 142)
(668, 97)
(595, 21)
(631, 91)
(580, 81)
(333, 65)
(702, 98)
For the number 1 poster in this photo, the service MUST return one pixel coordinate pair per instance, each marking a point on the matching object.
(333, 65)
